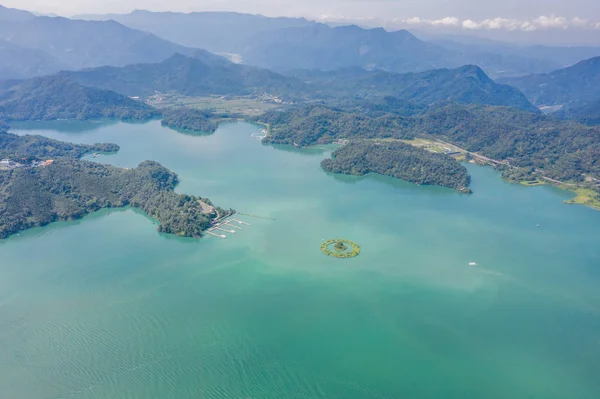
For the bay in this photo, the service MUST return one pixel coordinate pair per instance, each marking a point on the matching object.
(106, 307)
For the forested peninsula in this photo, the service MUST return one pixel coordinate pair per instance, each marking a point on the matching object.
(399, 160)
(69, 188)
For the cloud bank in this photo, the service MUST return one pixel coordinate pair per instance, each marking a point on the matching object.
(510, 24)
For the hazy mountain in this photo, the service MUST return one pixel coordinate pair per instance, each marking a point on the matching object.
(578, 84)
(505, 59)
(17, 62)
(466, 85)
(218, 32)
(194, 76)
(11, 14)
(39, 45)
(54, 97)
(323, 47)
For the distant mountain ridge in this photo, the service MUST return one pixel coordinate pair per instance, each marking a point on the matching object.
(32, 46)
(218, 32)
(291, 43)
(326, 48)
(576, 85)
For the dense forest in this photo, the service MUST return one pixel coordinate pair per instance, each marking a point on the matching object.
(55, 97)
(588, 114)
(561, 150)
(34, 148)
(399, 160)
(315, 124)
(71, 188)
(190, 119)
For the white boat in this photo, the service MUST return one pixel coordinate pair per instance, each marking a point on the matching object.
(472, 264)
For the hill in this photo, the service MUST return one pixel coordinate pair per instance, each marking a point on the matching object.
(68, 44)
(12, 14)
(466, 85)
(54, 97)
(187, 75)
(17, 62)
(577, 84)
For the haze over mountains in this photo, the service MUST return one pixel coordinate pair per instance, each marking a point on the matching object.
(291, 43)
(575, 85)
(32, 46)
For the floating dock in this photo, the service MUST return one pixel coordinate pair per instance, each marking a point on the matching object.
(234, 224)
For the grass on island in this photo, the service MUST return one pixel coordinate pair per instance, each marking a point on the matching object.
(339, 248)
(585, 196)
(533, 183)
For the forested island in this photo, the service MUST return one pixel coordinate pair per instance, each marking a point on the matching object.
(70, 188)
(399, 160)
(190, 119)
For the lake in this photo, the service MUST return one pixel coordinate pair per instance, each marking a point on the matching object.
(106, 307)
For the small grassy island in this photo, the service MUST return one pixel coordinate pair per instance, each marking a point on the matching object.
(340, 248)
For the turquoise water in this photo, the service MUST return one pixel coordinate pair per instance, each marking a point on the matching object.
(107, 307)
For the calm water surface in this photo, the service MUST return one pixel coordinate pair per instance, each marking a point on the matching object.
(107, 307)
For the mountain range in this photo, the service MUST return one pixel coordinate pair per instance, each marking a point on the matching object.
(32, 46)
(576, 85)
(291, 43)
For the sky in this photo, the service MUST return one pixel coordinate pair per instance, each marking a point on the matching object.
(566, 19)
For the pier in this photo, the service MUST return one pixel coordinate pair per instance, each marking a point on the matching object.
(222, 226)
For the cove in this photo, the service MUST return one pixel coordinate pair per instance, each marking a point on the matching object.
(106, 307)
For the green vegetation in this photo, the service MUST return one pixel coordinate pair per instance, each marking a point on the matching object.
(533, 144)
(317, 125)
(588, 114)
(340, 248)
(415, 91)
(71, 188)
(34, 148)
(536, 144)
(399, 160)
(55, 97)
(189, 119)
(585, 196)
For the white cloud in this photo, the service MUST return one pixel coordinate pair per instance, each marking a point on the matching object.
(415, 21)
(498, 23)
(470, 24)
(448, 21)
(551, 22)
(579, 22)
